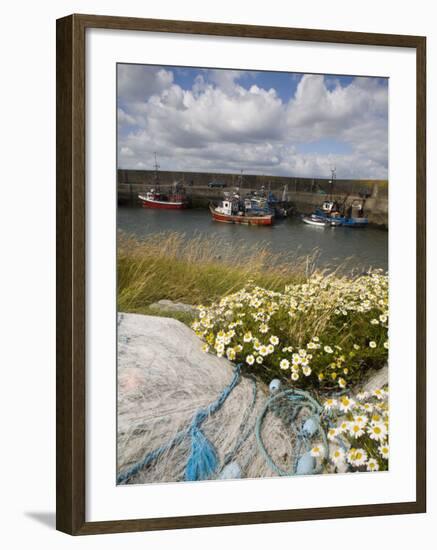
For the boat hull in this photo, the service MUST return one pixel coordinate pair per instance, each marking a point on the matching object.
(342, 220)
(247, 220)
(315, 223)
(166, 205)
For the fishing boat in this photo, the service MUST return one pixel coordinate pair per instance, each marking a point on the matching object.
(353, 216)
(266, 202)
(173, 199)
(234, 210)
(336, 214)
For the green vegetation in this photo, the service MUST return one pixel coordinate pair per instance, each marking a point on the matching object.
(324, 333)
(197, 271)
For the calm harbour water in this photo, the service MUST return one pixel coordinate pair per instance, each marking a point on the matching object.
(362, 248)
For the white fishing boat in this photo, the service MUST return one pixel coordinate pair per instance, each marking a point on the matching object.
(319, 221)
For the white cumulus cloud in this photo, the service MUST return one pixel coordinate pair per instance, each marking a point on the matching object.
(220, 125)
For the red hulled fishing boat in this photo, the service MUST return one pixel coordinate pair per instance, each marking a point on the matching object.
(234, 210)
(169, 201)
(173, 199)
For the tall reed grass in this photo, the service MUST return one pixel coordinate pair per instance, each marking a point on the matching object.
(198, 270)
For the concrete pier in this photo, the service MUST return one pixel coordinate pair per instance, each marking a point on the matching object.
(302, 194)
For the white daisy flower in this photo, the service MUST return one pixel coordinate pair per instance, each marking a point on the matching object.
(346, 404)
(328, 349)
(332, 433)
(361, 396)
(372, 465)
(379, 393)
(372, 344)
(330, 404)
(368, 407)
(274, 340)
(337, 456)
(259, 359)
(306, 370)
(361, 420)
(263, 351)
(377, 431)
(250, 359)
(230, 354)
(317, 450)
(294, 376)
(384, 450)
(357, 457)
(284, 364)
(355, 429)
(343, 426)
(220, 347)
(248, 337)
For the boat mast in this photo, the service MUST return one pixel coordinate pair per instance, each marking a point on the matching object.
(332, 181)
(156, 172)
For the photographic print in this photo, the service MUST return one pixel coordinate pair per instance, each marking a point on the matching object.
(252, 274)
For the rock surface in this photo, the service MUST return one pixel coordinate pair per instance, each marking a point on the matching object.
(169, 306)
(376, 379)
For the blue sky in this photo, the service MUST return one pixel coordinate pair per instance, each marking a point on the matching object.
(262, 122)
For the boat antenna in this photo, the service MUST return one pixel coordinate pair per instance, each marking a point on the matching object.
(156, 171)
(332, 180)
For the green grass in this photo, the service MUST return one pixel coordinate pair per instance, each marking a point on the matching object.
(199, 270)
(183, 317)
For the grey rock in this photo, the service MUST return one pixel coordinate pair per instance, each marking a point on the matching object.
(376, 379)
(169, 306)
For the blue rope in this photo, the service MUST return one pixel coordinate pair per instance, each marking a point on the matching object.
(297, 399)
(203, 461)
